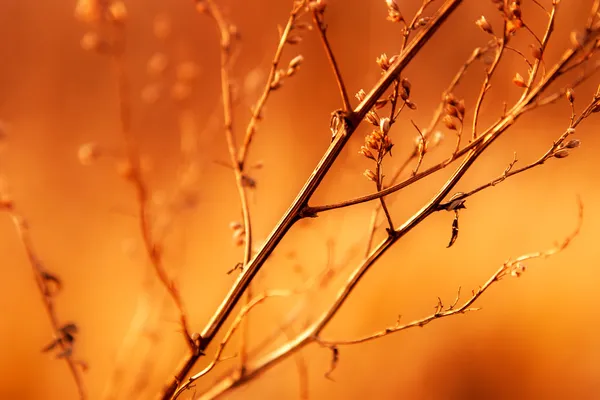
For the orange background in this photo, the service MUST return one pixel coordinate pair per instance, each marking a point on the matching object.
(536, 336)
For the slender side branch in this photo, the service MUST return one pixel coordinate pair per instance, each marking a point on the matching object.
(268, 89)
(133, 173)
(319, 23)
(63, 333)
(511, 267)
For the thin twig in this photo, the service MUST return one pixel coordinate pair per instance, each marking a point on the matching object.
(133, 173)
(488, 76)
(511, 267)
(319, 23)
(44, 280)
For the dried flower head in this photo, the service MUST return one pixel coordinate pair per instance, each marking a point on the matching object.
(370, 175)
(449, 122)
(484, 25)
(360, 95)
(383, 62)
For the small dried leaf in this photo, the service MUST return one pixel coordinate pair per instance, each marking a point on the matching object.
(454, 230)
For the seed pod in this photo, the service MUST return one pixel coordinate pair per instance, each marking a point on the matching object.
(384, 125)
(573, 144)
(570, 95)
(519, 81)
(561, 153)
(536, 52)
(451, 99)
(449, 122)
(484, 25)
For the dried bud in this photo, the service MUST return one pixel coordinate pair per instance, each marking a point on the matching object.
(360, 95)
(570, 95)
(449, 122)
(421, 22)
(295, 39)
(536, 52)
(573, 144)
(387, 144)
(383, 62)
(392, 5)
(515, 9)
(235, 225)
(451, 110)
(370, 175)
(394, 58)
(372, 143)
(277, 80)
(484, 25)
(561, 153)
(381, 103)
(405, 83)
(372, 118)
(366, 152)
(410, 105)
(317, 5)
(519, 81)
(517, 270)
(296, 61)
(451, 99)
(384, 125)
(577, 38)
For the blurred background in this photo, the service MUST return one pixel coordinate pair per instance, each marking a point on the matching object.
(535, 337)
